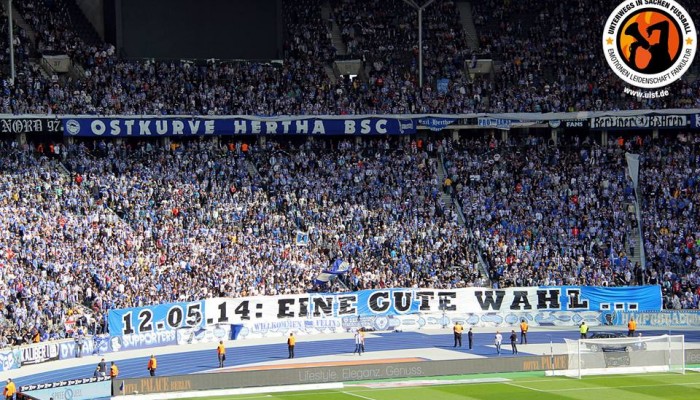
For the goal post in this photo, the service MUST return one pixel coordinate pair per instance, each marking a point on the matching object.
(625, 355)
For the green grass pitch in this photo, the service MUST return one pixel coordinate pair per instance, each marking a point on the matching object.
(526, 386)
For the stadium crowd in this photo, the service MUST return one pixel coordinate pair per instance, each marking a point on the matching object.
(547, 216)
(565, 215)
(671, 218)
(117, 224)
(547, 62)
(552, 60)
(106, 224)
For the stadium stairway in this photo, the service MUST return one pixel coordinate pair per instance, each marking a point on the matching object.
(441, 175)
(336, 37)
(452, 205)
(634, 257)
(81, 25)
(331, 74)
(253, 172)
(467, 19)
(19, 21)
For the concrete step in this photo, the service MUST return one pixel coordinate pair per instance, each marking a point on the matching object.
(331, 74)
(19, 21)
(467, 19)
(337, 40)
(36, 64)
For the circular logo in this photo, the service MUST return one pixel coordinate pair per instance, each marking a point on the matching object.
(72, 126)
(649, 43)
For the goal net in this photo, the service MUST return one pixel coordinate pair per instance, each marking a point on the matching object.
(625, 355)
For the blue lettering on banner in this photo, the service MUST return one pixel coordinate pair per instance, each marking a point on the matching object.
(158, 318)
(682, 318)
(436, 124)
(10, 359)
(202, 126)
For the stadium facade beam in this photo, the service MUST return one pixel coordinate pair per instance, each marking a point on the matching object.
(420, 9)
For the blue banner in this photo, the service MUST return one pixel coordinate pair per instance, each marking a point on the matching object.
(203, 126)
(443, 85)
(387, 302)
(77, 389)
(681, 318)
(436, 124)
(145, 340)
(10, 359)
(695, 121)
(156, 325)
(96, 345)
(156, 319)
(498, 123)
(632, 298)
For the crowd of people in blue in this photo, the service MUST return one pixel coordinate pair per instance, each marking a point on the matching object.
(112, 224)
(545, 57)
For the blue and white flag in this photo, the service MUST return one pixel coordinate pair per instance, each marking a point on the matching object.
(614, 259)
(302, 238)
(436, 124)
(339, 267)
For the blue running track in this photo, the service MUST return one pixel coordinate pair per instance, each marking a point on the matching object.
(203, 360)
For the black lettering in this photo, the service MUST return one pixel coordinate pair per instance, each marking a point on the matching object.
(574, 302)
(374, 302)
(488, 302)
(445, 301)
(304, 307)
(347, 305)
(323, 304)
(424, 297)
(283, 310)
(550, 301)
(402, 301)
(520, 298)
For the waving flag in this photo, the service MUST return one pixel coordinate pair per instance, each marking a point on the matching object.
(339, 267)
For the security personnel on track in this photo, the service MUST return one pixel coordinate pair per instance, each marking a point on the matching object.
(583, 330)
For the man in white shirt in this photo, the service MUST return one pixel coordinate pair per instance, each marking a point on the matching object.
(497, 341)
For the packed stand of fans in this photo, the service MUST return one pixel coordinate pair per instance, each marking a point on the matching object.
(565, 215)
(374, 206)
(142, 224)
(387, 33)
(549, 64)
(546, 215)
(136, 224)
(53, 241)
(385, 36)
(553, 61)
(670, 176)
